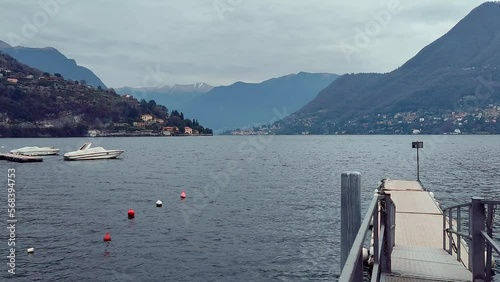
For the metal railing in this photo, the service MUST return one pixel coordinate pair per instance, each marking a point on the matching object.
(479, 236)
(382, 212)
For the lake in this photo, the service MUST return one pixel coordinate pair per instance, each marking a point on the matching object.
(258, 208)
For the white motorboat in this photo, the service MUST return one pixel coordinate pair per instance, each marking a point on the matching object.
(36, 151)
(87, 152)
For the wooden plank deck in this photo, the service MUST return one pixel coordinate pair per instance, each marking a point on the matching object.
(418, 254)
(20, 158)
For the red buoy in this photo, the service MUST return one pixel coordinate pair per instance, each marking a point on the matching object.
(107, 237)
(183, 195)
(131, 213)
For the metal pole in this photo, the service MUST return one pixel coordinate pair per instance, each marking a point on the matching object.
(477, 254)
(418, 166)
(350, 213)
(489, 230)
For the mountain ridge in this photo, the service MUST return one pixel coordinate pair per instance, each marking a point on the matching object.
(37, 104)
(242, 104)
(51, 60)
(436, 79)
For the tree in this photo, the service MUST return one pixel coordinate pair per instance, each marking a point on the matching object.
(144, 105)
(99, 88)
(151, 105)
(58, 75)
(46, 74)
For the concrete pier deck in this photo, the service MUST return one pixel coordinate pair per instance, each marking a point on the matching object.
(418, 253)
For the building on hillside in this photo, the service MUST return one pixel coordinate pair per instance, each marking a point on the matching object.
(121, 124)
(147, 117)
(139, 124)
(188, 130)
(170, 130)
(12, 80)
(93, 133)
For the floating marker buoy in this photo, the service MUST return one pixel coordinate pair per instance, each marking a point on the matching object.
(159, 203)
(31, 250)
(183, 195)
(107, 237)
(131, 213)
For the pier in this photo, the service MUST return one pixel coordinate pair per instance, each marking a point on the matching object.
(20, 158)
(412, 238)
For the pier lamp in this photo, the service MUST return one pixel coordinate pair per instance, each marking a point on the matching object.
(418, 145)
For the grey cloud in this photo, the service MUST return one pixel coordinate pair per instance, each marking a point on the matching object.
(252, 41)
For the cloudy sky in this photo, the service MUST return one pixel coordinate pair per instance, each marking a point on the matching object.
(158, 42)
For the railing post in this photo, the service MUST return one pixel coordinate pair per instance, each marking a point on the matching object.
(450, 235)
(350, 215)
(444, 230)
(489, 231)
(376, 231)
(388, 218)
(477, 255)
(459, 238)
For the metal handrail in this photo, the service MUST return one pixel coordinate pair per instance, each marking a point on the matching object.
(352, 261)
(479, 235)
(382, 212)
(456, 206)
(490, 241)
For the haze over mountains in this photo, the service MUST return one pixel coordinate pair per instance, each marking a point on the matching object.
(176, 96)
(240, 104)
(459, 70)
(52, 61)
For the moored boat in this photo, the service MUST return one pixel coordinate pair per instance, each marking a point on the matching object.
(87, 152)
(36, 151)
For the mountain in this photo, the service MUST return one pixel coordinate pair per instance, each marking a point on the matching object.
(174, 96)
(52, 61)
(34, 104)
(457, 73)
(247, 104)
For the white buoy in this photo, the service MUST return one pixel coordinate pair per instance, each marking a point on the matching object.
(432, 194)
(159, 203)
(31, 250)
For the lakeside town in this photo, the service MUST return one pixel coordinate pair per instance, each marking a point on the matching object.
(480, 120)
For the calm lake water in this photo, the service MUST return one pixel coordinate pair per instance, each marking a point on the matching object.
(258, 208)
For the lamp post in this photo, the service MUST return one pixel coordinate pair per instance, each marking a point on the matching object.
(418, 145)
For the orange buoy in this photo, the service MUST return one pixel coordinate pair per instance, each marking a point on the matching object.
(131, 213)
(183, 195)
(107, 237)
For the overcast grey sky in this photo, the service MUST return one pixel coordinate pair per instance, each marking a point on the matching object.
(223, 41)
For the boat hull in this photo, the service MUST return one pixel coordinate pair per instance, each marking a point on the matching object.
(111, 154)
(36, 152)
